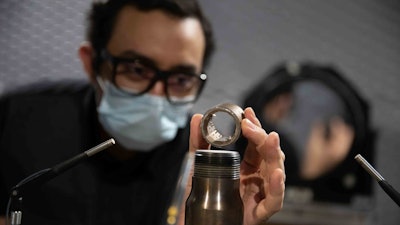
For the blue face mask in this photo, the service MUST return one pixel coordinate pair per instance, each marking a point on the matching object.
(140, 123)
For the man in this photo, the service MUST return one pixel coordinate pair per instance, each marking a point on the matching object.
(145, 61)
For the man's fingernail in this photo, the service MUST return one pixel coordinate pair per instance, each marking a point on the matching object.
(252, 111)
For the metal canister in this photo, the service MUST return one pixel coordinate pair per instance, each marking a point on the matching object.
(215, 197)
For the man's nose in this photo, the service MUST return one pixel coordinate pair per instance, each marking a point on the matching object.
(157, 89)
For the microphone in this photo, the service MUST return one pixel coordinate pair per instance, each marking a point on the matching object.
(49, 173)
(42, 176)
(393, 194)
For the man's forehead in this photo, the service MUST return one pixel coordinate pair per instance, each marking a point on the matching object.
(157, 34)
(153, 20)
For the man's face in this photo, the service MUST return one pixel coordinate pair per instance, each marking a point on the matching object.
(168, 42)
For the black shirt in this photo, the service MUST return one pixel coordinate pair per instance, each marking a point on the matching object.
(47, 123)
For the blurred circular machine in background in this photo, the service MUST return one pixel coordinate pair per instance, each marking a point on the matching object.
(323, 123)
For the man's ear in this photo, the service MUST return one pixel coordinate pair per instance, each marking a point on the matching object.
(86, 53)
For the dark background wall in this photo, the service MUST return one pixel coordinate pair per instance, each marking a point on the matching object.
(39, 39)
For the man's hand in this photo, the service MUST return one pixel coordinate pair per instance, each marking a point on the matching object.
(262, 171)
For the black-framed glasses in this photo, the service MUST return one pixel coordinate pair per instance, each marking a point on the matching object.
(137, 76)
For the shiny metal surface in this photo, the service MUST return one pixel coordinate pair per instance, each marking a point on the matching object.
(370, 169)
(100, 147)
(16, 218)
(215, 198)
(209, 131)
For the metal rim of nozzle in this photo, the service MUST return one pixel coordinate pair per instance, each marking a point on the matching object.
(210, 132)
(370, 169)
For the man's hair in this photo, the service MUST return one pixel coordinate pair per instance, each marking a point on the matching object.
(102, 17)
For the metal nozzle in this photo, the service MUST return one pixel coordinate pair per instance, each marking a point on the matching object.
(371, 170)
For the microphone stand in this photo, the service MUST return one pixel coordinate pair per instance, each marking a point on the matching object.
(42, 176)
(393, 194)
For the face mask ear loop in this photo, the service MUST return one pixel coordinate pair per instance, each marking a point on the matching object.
(99, 93)
(100, 82)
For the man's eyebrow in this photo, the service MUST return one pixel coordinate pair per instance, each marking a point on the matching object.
(184, 68)
(130, 54)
